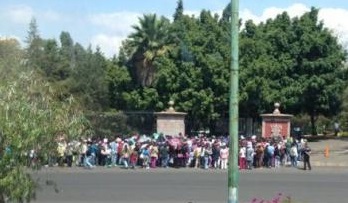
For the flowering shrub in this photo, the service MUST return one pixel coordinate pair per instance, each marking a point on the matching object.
(280, 198)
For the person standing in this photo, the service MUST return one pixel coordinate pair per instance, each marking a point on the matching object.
(270, 155)
(224, 156)
(61, 148)
(306, 157)
(196, 154)
(164, 155)
(88, 157)
(293, 155)
(249, 155)
(153, 155)
(207, 156)
(133, 159)
(105, 155)
(113, 152)
(145, 156)
(242, 159)
(125, 156)
(277, 155)
(259, 155)
(215, 156)
(69, 154)
(336, 128)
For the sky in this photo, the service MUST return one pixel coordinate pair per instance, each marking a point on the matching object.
(105, 23)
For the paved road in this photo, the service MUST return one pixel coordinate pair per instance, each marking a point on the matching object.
(321, 185)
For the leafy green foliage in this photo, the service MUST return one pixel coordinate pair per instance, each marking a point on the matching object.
(296, 62)
(179, 11)
(34, 48)
(89, 80)
(31, 118)
(343, 115)
(148, 42)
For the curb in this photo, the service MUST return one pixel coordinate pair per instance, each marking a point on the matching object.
(329, 164)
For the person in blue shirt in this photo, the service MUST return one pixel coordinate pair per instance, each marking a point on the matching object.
(270, 155)
(113, 152)
(145, 154)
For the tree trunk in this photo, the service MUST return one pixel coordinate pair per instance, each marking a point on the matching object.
(2, 199)
(313, 126)
(144, 73)
(150, 74)
(144, 70)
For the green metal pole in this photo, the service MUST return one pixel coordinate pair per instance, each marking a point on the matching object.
(233, 173)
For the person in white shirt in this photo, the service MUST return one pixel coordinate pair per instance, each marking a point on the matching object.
(293, 155)
(242, 160)
(224, 156)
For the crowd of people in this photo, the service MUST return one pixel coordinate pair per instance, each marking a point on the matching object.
(181, 151)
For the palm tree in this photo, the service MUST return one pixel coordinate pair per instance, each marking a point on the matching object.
(148, 42)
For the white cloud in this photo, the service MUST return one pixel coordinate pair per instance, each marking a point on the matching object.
(272, 12)
(336, 19)
(20, 14)
(333, 18)
(109, 44)
(120, 22)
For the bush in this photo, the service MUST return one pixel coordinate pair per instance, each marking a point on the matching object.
(324, 124)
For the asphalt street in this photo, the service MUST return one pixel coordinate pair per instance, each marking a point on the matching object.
(321, 185)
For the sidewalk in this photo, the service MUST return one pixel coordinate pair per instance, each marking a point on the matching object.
(338, 152)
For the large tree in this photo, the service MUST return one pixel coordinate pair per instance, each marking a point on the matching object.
(67, 57)
(319, 67)
(50, 60)
(297, 62)
(9, 50)
(34, 45)
(195, 73)
(148, 41)
(119, 84)
(179, 11)
(89, 79)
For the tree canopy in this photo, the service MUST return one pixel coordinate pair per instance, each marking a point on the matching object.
(295, 61)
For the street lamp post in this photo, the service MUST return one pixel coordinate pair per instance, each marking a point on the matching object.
(233, 173)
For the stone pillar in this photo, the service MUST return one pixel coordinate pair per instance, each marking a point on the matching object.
(276, 124)
(170, 122)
